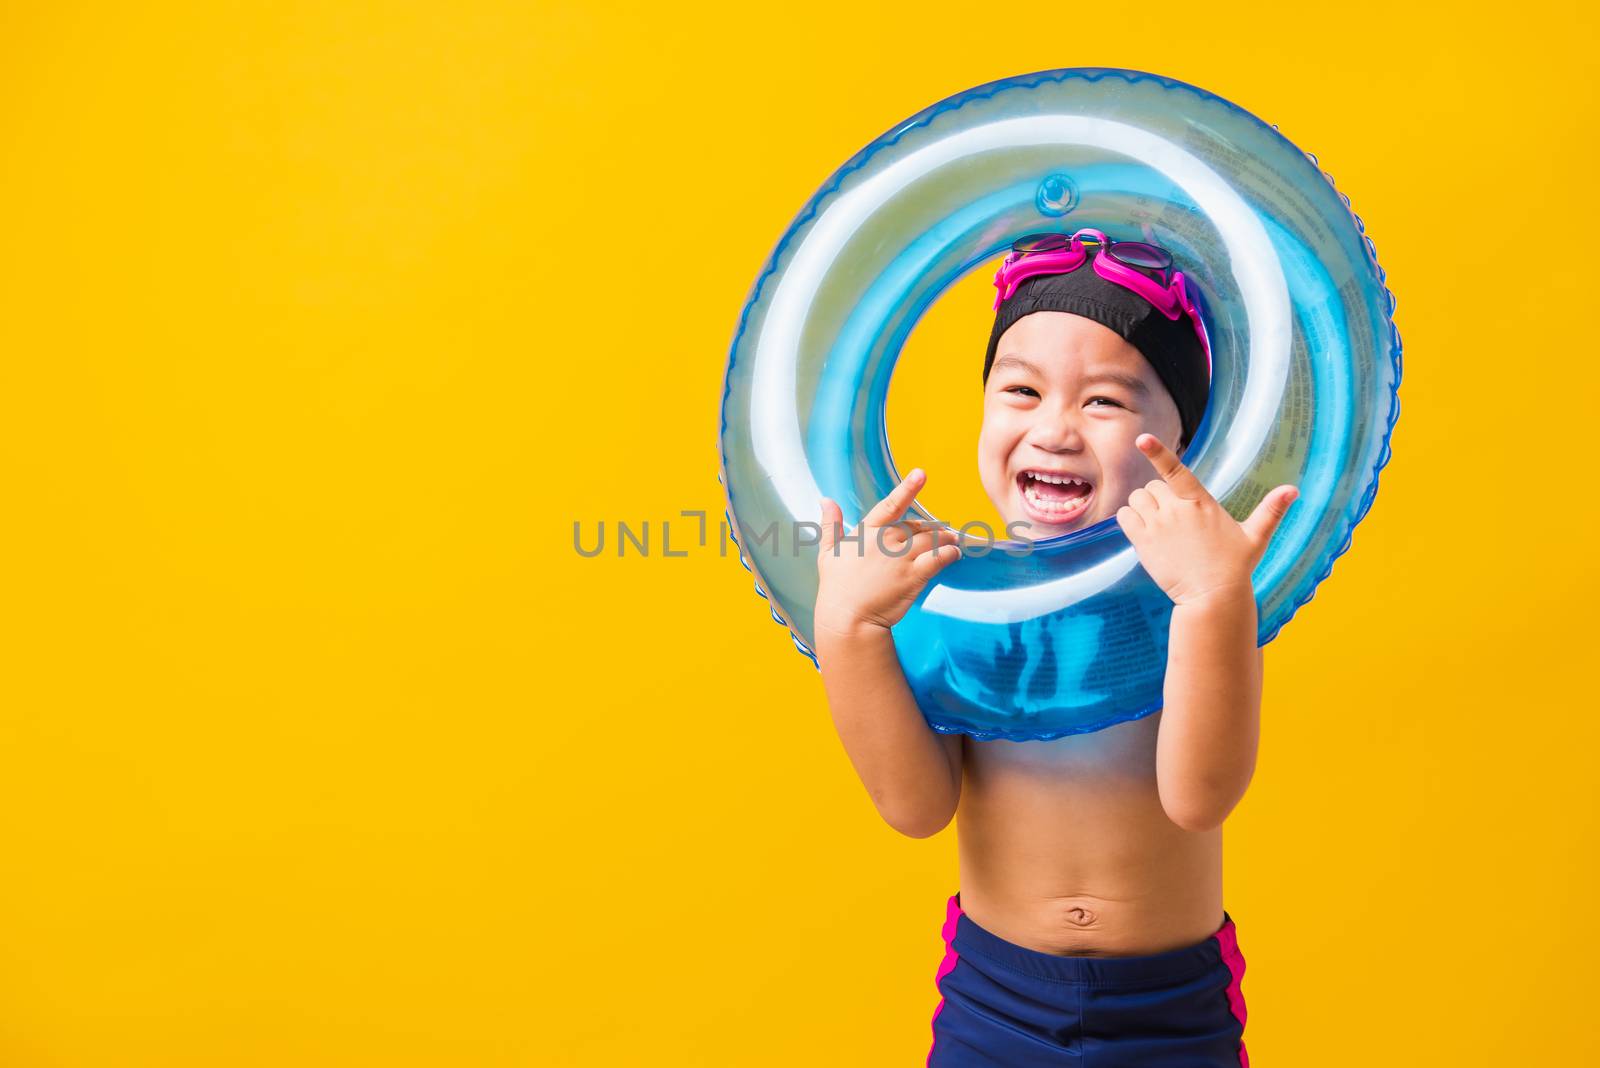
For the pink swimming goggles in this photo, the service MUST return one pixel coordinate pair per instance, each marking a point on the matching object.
(1127, 263)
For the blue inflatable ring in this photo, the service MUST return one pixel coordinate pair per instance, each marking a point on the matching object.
(1070, 637)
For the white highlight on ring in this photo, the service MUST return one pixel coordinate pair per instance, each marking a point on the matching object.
(775, 422)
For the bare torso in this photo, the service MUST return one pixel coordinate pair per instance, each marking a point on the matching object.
(1065, 847)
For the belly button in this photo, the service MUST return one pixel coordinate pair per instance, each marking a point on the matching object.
(1082, 917)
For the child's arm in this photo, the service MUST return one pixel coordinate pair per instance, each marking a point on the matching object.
(867, 582)
(1211, 722)
(912, 772)
(1202, 558)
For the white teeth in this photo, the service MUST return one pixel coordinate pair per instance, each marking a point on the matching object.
(1059, 480)
(1058, 507)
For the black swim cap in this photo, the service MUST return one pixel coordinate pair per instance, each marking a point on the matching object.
(1169, 345)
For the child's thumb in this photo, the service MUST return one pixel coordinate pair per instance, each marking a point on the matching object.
(1263, 522)
(831, 518)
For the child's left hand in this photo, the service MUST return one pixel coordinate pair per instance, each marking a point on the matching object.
(1187, 541)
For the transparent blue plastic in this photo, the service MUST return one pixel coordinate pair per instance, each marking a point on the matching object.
(1072, 636)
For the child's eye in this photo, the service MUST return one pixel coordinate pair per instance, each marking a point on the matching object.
(1014, 389)
(1108, 400)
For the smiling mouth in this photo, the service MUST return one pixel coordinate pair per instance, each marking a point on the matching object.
(1050, 497)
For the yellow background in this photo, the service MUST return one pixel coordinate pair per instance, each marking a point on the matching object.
(319, 744)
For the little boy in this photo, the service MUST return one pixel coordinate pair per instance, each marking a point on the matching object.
(1088, 929)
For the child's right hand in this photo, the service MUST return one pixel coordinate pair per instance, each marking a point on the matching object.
(872, 579)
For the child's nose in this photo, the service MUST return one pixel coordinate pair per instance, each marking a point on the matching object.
(1059, 432)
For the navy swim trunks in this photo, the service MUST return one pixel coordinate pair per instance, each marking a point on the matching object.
(1004, 1005)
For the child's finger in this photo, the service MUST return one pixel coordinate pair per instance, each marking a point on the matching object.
(832, 520)
(932, 562)
(899, 499)
(1162, 491)
(922, 528)
(1262, 522)
(1143, 501)
(899, 530)
(932, 539)
(1170, 468)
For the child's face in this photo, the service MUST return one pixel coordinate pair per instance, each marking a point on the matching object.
(1066, 397)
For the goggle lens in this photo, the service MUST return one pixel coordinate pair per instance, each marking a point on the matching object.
(1040, 243)
(1143, 257)
(1139, 254)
